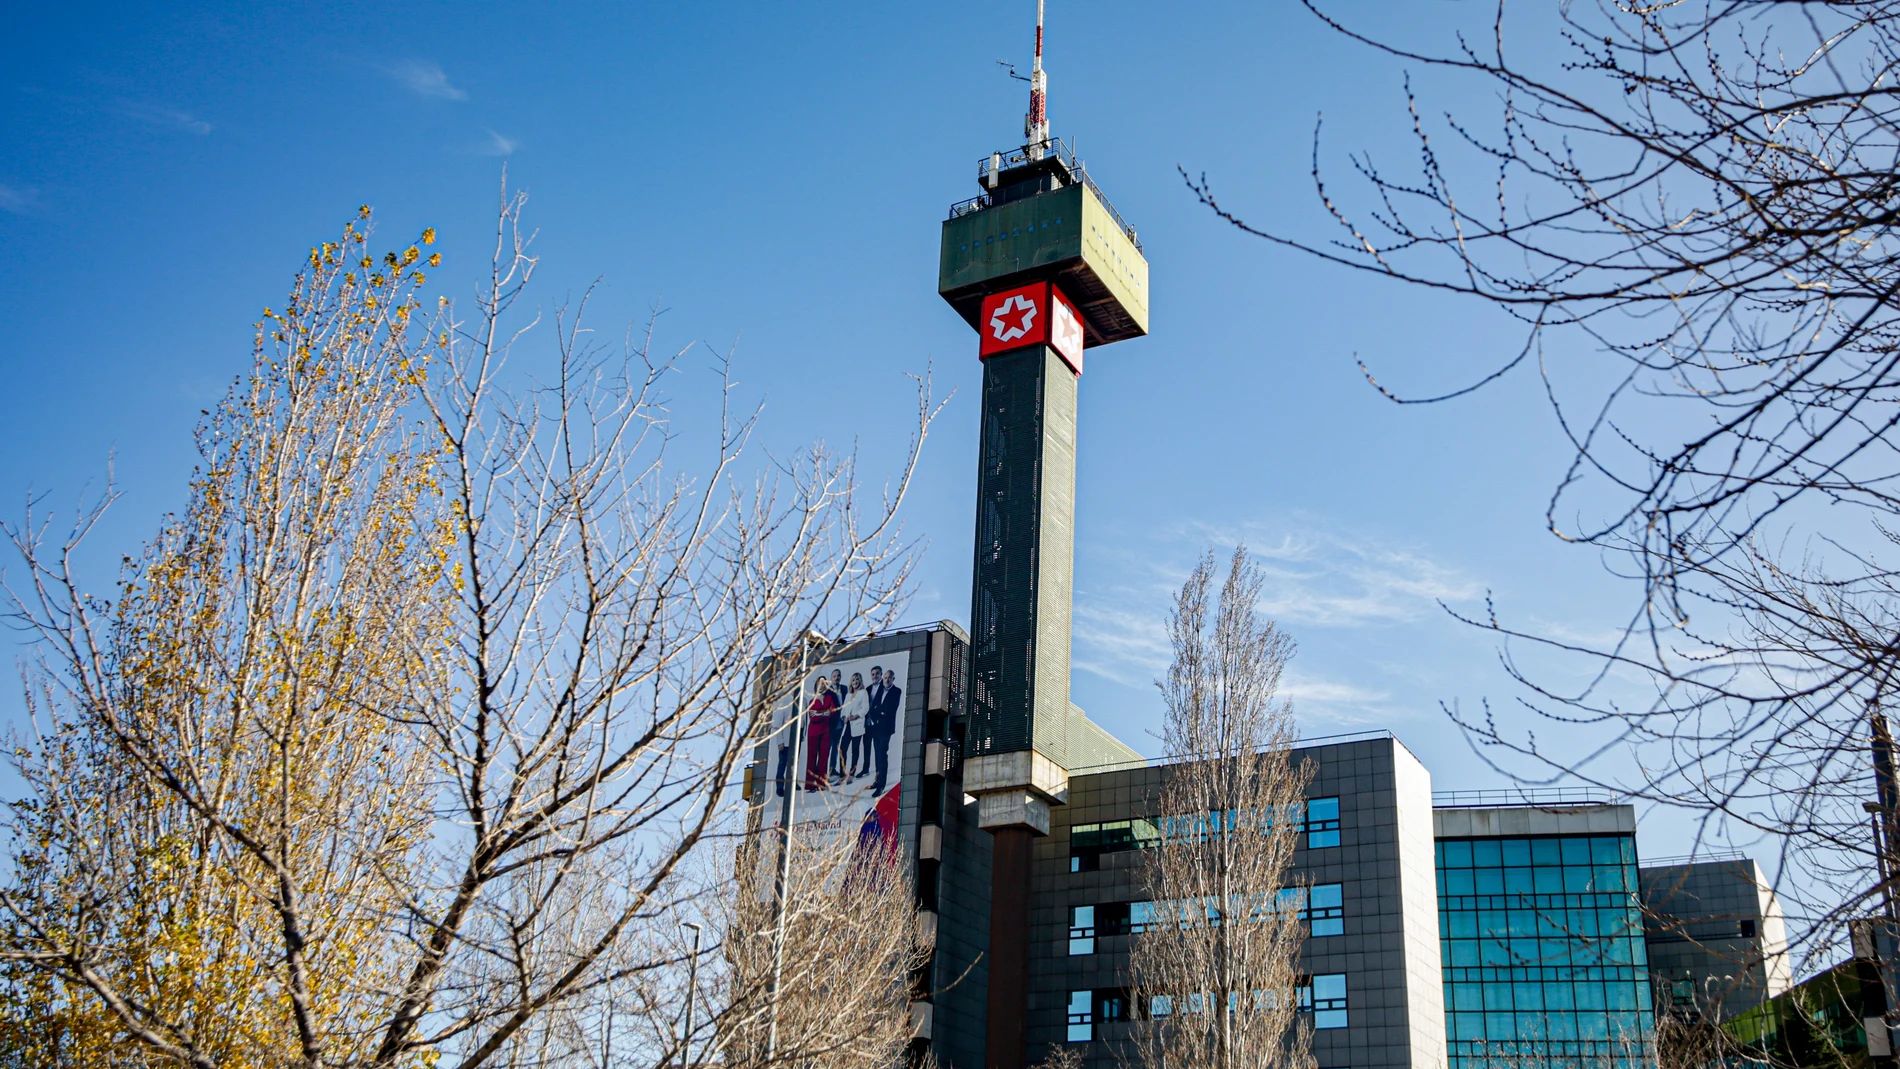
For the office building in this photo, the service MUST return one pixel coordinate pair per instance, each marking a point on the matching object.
(1544, 957)
(1717, 942)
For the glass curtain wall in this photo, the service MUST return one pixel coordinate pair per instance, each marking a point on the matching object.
(1542, 944)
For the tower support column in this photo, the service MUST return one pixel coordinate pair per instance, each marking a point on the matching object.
(1006, 1044)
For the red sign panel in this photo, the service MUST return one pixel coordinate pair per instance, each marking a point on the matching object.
(1065, 329)
(1036, 314)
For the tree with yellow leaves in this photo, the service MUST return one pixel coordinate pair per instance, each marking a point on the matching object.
(392, 747)
(225, 812)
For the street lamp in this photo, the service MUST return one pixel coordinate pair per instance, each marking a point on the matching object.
(692, 991)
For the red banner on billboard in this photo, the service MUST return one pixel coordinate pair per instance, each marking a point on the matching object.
(1036, 314)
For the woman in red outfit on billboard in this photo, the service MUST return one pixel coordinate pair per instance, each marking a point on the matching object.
(818, 735)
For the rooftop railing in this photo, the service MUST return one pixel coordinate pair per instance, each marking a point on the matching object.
(1162, 762)
(1528, 798)
(1028, 154)
(1693, 859)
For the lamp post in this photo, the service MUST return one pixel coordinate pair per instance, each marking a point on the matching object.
(794, 779)
(692, 992)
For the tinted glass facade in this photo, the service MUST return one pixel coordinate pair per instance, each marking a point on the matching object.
(1542, 945)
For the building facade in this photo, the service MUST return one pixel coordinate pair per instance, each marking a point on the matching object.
(1717, 942)
(1370, 961)
(1542, 929)
(1443, 930)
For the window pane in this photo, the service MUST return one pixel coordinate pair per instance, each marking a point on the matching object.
(1323, 1019)
(1327, 894)
(1081, 1016)
(1081, 945)
(1321, 839)
(1458, 855)
(1329, 926)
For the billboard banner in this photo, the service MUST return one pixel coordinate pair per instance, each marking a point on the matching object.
(841, 763)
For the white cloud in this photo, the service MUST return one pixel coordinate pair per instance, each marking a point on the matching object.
(18, 200)
(1307, 691)
(1316, 576)
(165, 118)
(499, 145)
(425, 79)
(1121, 643)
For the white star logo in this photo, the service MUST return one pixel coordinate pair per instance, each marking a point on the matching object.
(1019, 309)
(1067, 330)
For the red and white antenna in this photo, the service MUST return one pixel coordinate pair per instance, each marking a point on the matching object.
(1036, 123)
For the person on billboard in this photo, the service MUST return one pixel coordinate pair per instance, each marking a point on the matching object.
(870, 832)
(857, 707)
(818, 717)
(883, 722)
(837, 721)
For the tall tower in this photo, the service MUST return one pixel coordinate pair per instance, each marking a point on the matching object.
(1044, 268)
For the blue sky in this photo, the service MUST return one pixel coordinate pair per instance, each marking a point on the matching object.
(774, 175)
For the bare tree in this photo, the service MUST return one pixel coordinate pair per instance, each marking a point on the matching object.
(852, 950)
(1218, 966)
(438, 758)
(1695, 208)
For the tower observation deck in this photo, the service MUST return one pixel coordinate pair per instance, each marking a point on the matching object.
(1042, 265)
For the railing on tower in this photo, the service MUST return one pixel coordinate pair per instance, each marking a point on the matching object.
(1007, 161)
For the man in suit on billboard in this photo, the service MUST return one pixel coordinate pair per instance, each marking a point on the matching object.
(887, 704)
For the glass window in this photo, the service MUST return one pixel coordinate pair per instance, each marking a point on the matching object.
(1326, 909)
(1140, 915)
(1081, 1016)
(1160, 1006)
(1087, 842)
(1081, 930)
(1322, 823)
(1324, 996)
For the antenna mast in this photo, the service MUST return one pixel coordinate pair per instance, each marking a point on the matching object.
(1036, 123)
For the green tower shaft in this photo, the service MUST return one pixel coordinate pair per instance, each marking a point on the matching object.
(1025, 549)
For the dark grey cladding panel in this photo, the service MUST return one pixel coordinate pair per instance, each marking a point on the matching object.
(1020, 601)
